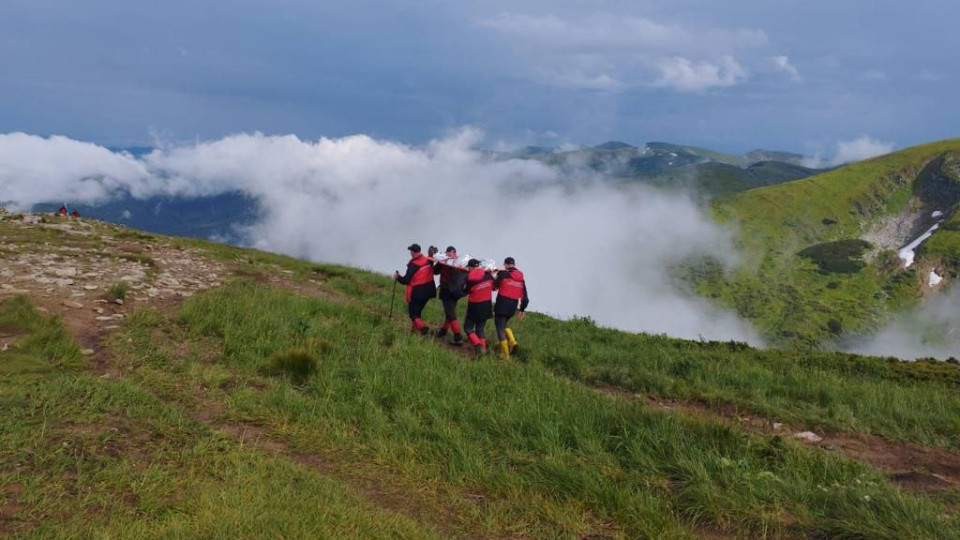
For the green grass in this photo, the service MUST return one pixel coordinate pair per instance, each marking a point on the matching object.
(119, 290)
(38, 343)
(791, 300)
(88, 457)
(550, 457)
(917, 402)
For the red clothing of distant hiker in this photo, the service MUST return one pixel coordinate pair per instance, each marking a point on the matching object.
(479, 286)
(451, 291)
(479, 289)
(419, 277)
(420, 286)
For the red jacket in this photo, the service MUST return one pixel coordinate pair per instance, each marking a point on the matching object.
(419, 276)
(479, 286)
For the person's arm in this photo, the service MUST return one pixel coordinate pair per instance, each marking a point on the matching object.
(467, 285)
(411, 270)
(500, 275)
(526, 298)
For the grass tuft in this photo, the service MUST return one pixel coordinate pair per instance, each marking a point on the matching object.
(119, 290)
(298, 364)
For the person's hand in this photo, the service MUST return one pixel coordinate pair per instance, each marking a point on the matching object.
(432, 250)
(520, 315)
(396, 275)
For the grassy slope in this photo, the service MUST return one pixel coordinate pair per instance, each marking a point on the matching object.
(785, 295)
(505, 449)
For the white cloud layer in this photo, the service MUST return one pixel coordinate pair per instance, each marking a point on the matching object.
(858, 149)
(604, 51)
(931, 331)
(685, 75)
(592, 250)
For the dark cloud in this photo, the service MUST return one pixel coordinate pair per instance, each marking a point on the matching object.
(731, 75)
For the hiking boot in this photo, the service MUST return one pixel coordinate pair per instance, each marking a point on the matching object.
(441, 333)
(511, 340)
(457, 340)
(504, 349)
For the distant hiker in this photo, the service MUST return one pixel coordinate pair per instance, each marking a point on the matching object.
(75, 214)
(420, 286)
(63, 210)
(452, 280)
(511, 295)
(479, 290)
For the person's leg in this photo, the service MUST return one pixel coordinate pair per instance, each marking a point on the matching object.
(449, 307)
(500, 322)
(451, 315)
(470, 327)
(416, 311)
(481, 333)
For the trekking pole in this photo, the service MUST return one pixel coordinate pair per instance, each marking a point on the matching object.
(392, 296)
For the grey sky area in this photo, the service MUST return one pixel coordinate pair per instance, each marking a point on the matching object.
(730, 75)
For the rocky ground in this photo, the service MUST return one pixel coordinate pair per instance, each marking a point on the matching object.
(95, 274)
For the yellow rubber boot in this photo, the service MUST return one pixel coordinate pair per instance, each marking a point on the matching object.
(510, 339)
(505, 349)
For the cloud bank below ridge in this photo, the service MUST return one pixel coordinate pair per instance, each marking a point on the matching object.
(589, 249)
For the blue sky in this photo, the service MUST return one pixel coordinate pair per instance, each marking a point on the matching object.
(731, 75)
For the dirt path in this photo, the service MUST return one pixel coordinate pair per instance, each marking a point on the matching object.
(913, 467)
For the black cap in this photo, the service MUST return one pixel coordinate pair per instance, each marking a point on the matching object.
(414, 248)
(449, 249)
(473, 263)
(509, 260)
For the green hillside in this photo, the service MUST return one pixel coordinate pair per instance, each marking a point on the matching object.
(258, 396)
(804, 279)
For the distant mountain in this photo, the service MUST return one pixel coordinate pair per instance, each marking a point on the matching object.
(535, 151)
(760, 154)
(613, 145)
(707, 173)
(836, 253)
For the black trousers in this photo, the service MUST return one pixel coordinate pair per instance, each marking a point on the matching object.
(416, 305)
(449, 307)
(502, 322)
(471, 326)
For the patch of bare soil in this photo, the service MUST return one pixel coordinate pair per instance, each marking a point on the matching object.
(9, 508)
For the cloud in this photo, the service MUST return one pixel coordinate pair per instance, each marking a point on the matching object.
(685, 75)
(605, 32)
(34, 168)
(783, 64)
(930, 331)
(858, 149)
(586, 247)
(604, 51)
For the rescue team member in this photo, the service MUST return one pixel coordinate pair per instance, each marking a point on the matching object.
(511, 294)
(451, 291)
(420, 286)
(479, 290)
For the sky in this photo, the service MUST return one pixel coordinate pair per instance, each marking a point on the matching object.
(733, 75)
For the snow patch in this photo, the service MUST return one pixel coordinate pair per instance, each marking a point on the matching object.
(907, 254)
(936, 214)
(935, 278)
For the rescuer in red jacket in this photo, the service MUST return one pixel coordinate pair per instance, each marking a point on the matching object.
(479, 290)
(452, 279)
(420, 286)
(511, 297)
